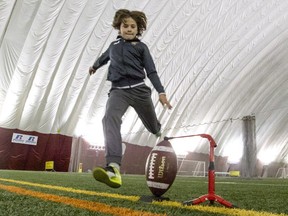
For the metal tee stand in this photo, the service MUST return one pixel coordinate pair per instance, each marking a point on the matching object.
(211, 196)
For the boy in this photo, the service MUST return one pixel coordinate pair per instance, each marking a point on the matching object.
(128, 58)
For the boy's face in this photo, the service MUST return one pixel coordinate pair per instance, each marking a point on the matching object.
(128, 29)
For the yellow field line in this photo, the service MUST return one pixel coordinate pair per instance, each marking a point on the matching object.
(212, 209)
(72, 190)
(89, 205)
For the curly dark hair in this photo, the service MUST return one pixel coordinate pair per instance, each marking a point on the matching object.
(139, 17)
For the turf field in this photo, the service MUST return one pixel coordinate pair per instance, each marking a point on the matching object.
(53, 193)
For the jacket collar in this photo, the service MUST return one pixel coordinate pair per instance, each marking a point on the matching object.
(119, 37)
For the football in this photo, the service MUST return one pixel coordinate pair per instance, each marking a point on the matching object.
(161, 168)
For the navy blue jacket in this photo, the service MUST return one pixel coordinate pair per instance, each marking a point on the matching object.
(128, 59)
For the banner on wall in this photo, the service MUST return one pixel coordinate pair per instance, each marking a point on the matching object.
(24, 139)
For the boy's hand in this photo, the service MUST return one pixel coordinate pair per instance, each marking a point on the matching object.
(163, 100)
(91, 70)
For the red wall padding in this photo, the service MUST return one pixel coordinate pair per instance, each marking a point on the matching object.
(50, 147)
(133, 161)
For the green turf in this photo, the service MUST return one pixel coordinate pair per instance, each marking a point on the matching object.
(269, 195)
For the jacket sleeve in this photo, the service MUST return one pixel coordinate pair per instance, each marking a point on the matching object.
(151, 70)
(102, 60)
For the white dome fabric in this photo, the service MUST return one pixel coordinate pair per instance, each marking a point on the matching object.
(218, 60)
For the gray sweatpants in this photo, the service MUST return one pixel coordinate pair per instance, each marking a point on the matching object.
(118, 102)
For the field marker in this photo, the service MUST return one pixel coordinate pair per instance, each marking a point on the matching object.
(78, 203)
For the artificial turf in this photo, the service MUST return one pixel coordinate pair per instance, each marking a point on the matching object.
(261, 196)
